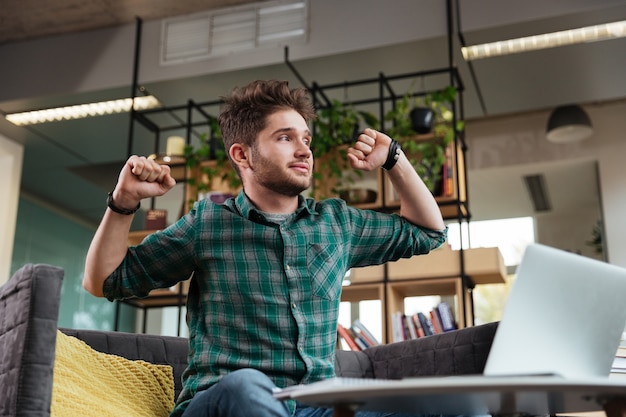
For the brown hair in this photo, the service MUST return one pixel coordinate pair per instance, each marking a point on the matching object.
(245, 110)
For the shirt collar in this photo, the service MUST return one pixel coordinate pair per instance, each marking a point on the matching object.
(247, 209)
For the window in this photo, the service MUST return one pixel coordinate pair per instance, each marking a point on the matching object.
(511, 236)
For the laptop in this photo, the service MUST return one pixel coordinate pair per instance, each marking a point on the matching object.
(552, 351)
(564, 316)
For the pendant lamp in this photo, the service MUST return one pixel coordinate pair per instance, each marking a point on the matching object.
(568, 124)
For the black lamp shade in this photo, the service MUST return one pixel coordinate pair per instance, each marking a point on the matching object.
(568, 124)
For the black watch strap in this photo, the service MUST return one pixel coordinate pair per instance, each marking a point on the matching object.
(118, 209)
(392, 157)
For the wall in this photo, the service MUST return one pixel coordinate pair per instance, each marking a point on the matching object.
(45, 235)
(570, 231)
(11, 154)
(520, 139)
(613, 185)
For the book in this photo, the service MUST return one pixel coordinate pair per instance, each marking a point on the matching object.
(447, 318)
(411, 328)
(619, 364)
(397, 327)
(448, 172)
(347, 337)
(405, 327)
(435, 320)
(156, 219)
(358, 340)
(426, 324)
(360, 329)
(418, 327)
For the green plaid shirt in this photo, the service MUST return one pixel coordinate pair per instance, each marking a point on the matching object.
(264, 295)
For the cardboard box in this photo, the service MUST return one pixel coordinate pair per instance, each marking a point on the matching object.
(375, 273)
(482, 265)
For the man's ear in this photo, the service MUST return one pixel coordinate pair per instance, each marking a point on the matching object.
(240, 155)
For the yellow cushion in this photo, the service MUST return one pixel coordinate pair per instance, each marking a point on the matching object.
(90, 383)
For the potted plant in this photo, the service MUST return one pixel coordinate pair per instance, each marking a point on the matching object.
(337, 126)
(432, 114)
(209, 165)
(596, 238)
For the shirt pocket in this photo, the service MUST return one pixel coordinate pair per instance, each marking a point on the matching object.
(325, 264)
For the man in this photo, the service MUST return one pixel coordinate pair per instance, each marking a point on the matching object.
(267, 264)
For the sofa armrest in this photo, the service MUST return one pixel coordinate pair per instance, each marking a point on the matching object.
(159, 350)
(353, 364)
(29, 308)
(458, 352)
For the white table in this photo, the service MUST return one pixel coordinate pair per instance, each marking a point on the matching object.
(466, 395)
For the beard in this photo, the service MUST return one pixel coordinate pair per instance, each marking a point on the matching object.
(273, 177)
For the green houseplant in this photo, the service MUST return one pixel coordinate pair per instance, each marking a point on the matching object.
(426, 153)
(596, 238)
(337, 126)
(205, 174)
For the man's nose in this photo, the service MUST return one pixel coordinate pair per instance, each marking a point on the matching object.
(303, 149)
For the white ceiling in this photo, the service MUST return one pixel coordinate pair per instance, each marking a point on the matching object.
(515, 84)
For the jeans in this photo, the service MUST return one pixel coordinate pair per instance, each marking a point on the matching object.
(248, 393)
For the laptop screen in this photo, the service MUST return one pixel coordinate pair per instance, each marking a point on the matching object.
(565, 315)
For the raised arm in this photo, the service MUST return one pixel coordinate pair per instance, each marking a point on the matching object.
(139, 178)
(417, 203)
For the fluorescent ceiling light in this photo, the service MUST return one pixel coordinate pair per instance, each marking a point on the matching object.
(547, 40)
(80, 111)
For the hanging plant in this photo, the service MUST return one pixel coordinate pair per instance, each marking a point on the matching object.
(410, 119)
(337, 126)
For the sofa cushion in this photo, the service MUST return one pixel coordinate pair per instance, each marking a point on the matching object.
(88, 382)
(459, 352)
(163, 350)
(29, 309)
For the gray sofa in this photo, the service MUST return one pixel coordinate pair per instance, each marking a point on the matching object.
(29, 306)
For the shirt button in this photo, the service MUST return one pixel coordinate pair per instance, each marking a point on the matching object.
(293, 306)
(287, 267)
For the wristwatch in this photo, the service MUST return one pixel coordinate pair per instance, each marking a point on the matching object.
(118, 209)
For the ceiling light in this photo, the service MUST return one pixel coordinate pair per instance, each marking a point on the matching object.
(547, 40)
(568, 124)
(80, 111)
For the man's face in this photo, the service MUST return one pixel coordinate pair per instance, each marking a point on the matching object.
(281, 159)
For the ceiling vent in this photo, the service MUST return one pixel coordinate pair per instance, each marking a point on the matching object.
(221, 32)
(185, 40)
(536, 185)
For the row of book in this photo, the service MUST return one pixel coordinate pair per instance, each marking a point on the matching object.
(447, 174)
(438, 320)
(355, 337)
(619, 363)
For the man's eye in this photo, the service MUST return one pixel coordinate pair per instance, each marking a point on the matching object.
(284, 137)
